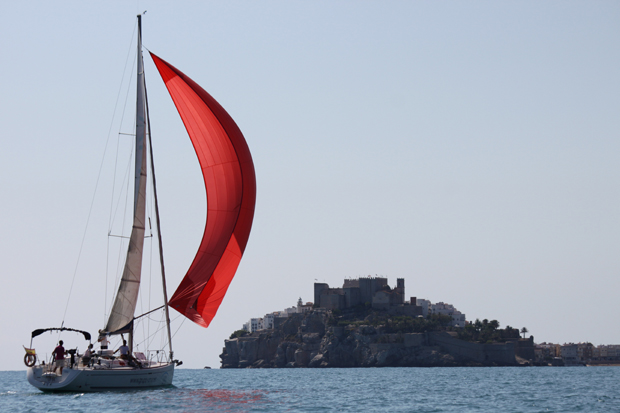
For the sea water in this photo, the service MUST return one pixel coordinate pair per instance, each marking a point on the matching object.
(498, 389)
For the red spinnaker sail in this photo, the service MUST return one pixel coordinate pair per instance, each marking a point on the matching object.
(230, 182)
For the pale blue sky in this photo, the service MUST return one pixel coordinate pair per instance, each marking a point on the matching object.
(469, 147)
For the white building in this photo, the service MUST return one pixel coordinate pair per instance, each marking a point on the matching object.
(613, 350)
(268, 321)
(425, 304)
(606, 352)
(458, 318)
(256, 324)
(303, 308)
(290, 310)
(569, 354)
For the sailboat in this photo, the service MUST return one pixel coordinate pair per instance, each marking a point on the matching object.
(230, 184)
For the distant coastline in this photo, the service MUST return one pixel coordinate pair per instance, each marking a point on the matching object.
(317, 339)
(368, 324)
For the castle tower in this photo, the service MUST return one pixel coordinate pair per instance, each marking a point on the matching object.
(400, 289)
(318, 288)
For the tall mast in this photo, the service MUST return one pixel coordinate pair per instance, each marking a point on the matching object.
(161, 247)
(140, 126)
(122, 312)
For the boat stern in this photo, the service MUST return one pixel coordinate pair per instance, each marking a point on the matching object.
(45, 379)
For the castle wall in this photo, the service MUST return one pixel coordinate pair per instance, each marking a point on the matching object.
(525, 348)
(396, 298)
(381, 300)
(318, 288)
(408, 310)
(352, 296)
(365, 290)
(369, 286)
(361, 291)
(501, 353)
(349, 283)
(332, 301)
(377, 284)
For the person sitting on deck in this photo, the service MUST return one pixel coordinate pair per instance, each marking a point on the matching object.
(124, 349)
(59, 357)
(88, 354)
(126, 355)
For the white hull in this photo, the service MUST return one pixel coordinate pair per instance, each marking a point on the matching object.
(89, 379)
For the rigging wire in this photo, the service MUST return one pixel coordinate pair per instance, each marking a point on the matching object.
(162, 325)
(126, 175)
(92, 204)
(148, 325)
(150, 273)
(126, 182)
(158, 223)
(107, 269)
(119, 259)
(114, 213)
(180, 325)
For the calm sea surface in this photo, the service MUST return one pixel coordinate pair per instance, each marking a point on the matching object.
(530, 389)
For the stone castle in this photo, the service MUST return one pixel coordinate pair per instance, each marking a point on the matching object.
(367, 291)
(356, 293)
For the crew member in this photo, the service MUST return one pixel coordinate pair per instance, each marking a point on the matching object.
(88, 354)
(103, 339)
(124, 350)
(59, 357)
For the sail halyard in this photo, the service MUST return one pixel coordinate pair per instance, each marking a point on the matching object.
(122, 312)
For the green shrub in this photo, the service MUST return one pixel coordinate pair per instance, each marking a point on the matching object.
(238, 333)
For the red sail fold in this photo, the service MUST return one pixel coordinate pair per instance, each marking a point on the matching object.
(230, 183)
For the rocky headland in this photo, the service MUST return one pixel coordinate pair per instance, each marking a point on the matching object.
(371, 339)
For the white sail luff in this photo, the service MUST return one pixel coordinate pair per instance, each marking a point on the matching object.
(124, 306)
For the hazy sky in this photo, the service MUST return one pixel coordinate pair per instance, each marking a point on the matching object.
(469, 147)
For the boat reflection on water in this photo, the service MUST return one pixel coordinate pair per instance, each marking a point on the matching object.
(222, 400)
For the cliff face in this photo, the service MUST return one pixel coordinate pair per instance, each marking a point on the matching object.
(307, 341)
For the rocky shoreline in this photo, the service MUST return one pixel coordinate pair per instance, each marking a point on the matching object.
(312, 340)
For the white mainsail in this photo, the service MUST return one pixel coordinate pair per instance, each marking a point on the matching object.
(122, 312)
